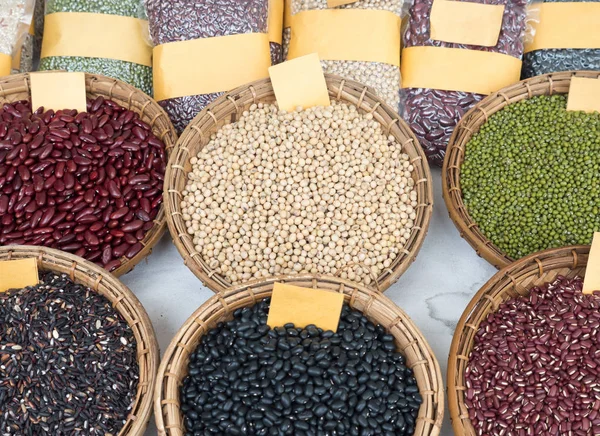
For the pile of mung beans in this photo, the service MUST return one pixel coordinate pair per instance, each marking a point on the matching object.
(245, 378)
(68, 361)
(530, 176)
(306, 191)
(534, 366)
(88, 183)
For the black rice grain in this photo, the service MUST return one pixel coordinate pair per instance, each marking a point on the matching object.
(247, 379)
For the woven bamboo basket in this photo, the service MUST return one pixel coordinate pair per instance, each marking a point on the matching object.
(549, 84)
(16, 87)
(227, 110)
(378, 308)
(512, 281)
(124, 301)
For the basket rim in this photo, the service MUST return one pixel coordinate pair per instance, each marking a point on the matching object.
(261, 90)
(541, 263)
(124, 301)
(248, 294)
(547, 84)
(132, 99)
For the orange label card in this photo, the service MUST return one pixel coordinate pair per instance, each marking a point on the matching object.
(287, 14)
(58, 91)
(304, 306)
(336, 3)
(466, 22)
(276, 21)
(591, 282)
(5, 64)
(584, 95)
(17, 274)
(300, 83)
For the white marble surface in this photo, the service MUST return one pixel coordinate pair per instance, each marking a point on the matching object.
(434, 291)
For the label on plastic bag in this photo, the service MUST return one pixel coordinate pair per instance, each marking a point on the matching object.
(90, 35)
(347, 34)
(18, 274)
(276, 21)
(300, 82)
(566, 25)
(591, 282)
(584, 95)
(204, 66)
(304, 306)
(466, 23)
(336, 3)
(455, 69)
(5, 64)
(58, 91)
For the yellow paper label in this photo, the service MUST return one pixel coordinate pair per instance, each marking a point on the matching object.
(584, 95)
(591, 282)
(466, 23)
(304, 306)
(18, 274)
(566, 25)
(32, 27)
(96, 36)
(347, 34)
(204, 66)
(287, 14)
(453, 69)
(276, 21)
(336, 3)
(300, 82)
(58, 91)
(5, 64)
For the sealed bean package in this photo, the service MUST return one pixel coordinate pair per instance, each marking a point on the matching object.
(448, 66)
(15, 20)
(276, 30)
(23, 55)
(107, 37)
(567, 38)
(203, 49)
(287, 27)
(357, 40)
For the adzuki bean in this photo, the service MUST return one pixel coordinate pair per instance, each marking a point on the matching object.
(433, 114)
(247, 379)
(534, 366)
(185, 20)
(64, 188)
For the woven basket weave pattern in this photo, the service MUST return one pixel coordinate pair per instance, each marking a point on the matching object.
(557, 83)
(16, 87)
(90, 275)
(228, 109)
(512, 281)
(373, 304)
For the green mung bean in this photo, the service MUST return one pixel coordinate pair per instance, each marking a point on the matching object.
(530, 176)
(137, 75)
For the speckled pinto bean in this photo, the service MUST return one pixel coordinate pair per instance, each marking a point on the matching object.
(534, 366)
(433, 114)
(88, 183)
(554, 60)
(185, 20)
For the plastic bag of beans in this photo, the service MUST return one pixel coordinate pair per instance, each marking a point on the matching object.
(203, 49)
(76, 39)
(562, 27)
(15, 20)
(442, 80)
(276, 30)
(359, 41)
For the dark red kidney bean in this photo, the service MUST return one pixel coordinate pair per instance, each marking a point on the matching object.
(142, 215)
(134, 250)
(91, 238)
(3, 204)
(120, 213)
(71, 246)
(36, 218)
(132, 226)
(97, 226)
(130, 239)
(140, 234)
(106, 254)
(80, 252)
(113, 189)
(120, 250)
(113, 265)
(69, 237)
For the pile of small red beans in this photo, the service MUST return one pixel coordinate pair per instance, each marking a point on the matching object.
(534, 367)
(87, 183)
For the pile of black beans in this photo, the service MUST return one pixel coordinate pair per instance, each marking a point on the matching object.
(247, 379)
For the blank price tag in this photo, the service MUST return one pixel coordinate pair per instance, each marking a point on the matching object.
(335, 3)
(466, 22)
(584, 95)
(58, 91)
(591, 282)
(304, 306)
(17, 274)
(300, 82)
